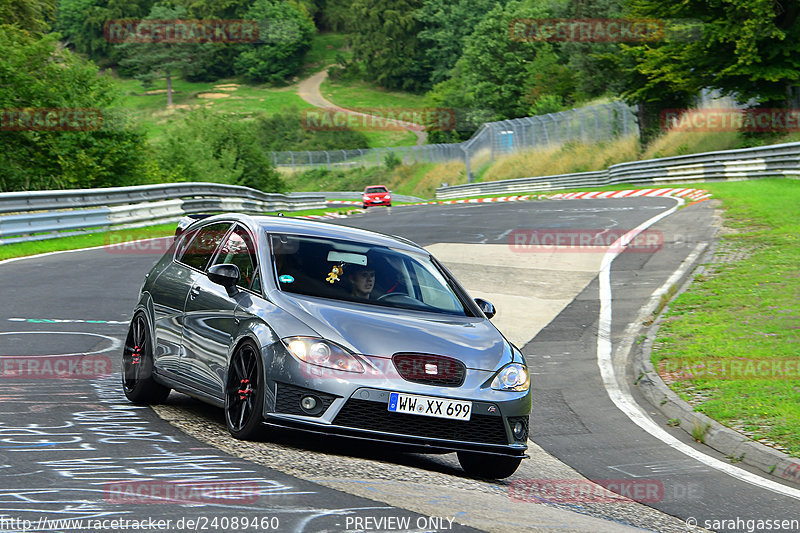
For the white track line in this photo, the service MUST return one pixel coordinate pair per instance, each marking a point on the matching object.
(627, 404)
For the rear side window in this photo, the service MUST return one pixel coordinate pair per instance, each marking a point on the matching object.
(239, 250)
(201, 245)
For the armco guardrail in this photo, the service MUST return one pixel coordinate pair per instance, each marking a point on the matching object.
(759, 162)
(356, 195)
(39, 215)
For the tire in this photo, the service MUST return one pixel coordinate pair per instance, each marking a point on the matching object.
(488, 466)
(244, 392)
(137, 365)
(363, 206)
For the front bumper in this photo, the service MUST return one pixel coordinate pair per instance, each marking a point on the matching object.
(365, 415)
(378, 201)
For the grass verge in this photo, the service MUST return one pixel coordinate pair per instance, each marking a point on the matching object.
(730, 344)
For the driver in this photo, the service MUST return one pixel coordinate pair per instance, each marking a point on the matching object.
(362, 281)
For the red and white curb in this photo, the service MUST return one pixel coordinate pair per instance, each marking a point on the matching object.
(492, 199)
(692, 194)
(328, 216)
(347, 202)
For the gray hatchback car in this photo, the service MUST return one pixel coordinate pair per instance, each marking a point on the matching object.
(319, 327)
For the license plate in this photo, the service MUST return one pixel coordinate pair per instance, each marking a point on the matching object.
(429, 406)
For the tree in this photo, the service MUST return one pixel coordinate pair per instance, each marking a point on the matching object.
(30, 15)
(595, 73)
(36, 74)
(285, 33)
(503, 76)
(81, 23)
(385, 41)
(151, 60)
(746, 48)
(445, 27)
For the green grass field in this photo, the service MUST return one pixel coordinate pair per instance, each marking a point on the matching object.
(741, 320)
(228, 96)
(355, 94)
(148, 105)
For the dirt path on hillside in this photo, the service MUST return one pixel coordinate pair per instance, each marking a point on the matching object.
(309, 90)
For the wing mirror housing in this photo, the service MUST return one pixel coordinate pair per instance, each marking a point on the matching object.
(487, 307)
(225, 274)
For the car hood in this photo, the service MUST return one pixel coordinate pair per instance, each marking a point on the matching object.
(382, 331)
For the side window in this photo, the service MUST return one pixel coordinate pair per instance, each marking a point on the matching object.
(199, 250)
(430, 282)
(239, 250)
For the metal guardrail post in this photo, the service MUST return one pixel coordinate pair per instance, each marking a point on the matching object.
(466, 163)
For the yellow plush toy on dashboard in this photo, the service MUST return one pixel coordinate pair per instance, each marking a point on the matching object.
(334, 274)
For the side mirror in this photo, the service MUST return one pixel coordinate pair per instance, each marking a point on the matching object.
(487, 308)
(225, 274)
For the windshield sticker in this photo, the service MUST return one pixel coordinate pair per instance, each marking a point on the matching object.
(333, 275)
(286, 278)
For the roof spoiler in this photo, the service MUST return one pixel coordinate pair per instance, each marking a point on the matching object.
(188, 220)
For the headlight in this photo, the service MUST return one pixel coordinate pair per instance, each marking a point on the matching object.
(322, 353)
(513, 377)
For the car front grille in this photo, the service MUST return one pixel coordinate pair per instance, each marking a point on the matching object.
(288, 400)
(430, 369)
(363, 414)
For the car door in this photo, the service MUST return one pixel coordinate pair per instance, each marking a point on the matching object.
(171, 289)
(210, 322)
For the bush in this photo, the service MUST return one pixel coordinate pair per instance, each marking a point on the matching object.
(392, 161)
(206, 146)
(284, 131)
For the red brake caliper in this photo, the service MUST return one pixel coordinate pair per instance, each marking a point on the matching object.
(137, 353)
(246, 391)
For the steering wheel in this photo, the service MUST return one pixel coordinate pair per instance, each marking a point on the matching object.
(399, 298)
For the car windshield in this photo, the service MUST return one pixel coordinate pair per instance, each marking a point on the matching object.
(365, 273)
(373, 190)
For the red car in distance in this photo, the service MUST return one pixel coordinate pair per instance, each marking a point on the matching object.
(376, 195)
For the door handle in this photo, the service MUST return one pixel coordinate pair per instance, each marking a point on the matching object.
(194, 292)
